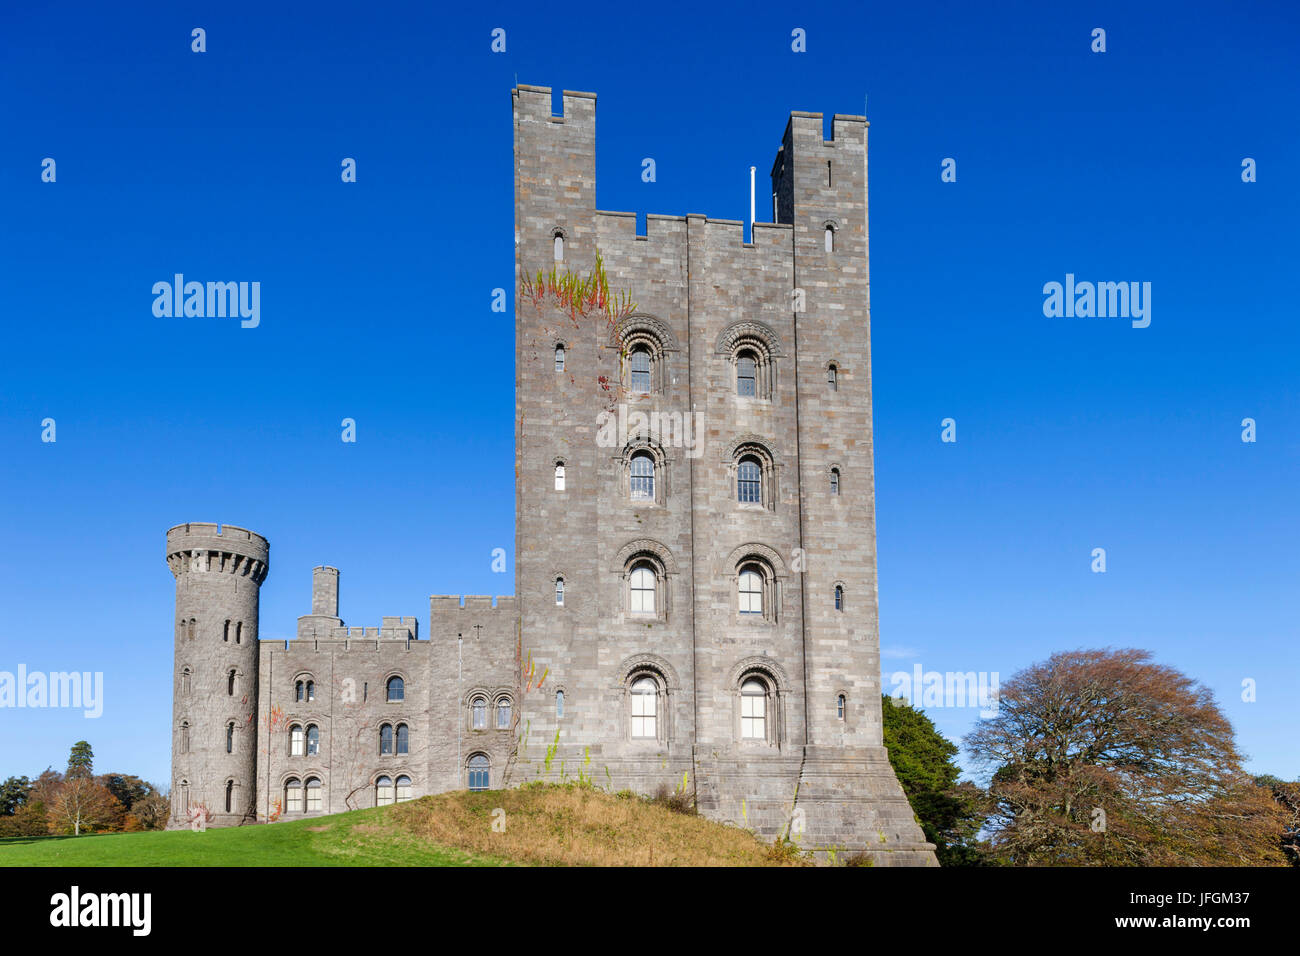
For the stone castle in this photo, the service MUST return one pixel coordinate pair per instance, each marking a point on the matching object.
(695, 604)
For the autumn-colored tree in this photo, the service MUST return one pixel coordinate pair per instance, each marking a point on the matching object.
(1287, 796)
(151, 811)
(950, 813)
(83, 804)
(1102, 757)
(46, 787)
(28, 820)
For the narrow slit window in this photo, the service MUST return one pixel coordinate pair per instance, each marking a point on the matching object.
(640, 378)
(746, 376)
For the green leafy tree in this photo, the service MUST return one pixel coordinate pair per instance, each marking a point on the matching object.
(950, 813)
(128, 789)
(81, 760)
(13, 794)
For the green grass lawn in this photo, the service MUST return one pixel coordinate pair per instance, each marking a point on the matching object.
(360, 838)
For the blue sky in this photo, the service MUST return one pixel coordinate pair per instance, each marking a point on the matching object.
(1073, 434)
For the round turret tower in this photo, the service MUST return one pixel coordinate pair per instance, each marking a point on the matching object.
(219, 572)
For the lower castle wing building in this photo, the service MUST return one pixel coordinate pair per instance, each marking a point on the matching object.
(695, 597)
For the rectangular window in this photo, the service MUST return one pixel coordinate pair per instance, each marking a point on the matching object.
(752, 710)
(643, 715)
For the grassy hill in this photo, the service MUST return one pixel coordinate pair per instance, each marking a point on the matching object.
(541, 824)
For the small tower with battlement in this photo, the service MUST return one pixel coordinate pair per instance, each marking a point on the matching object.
(219, 572)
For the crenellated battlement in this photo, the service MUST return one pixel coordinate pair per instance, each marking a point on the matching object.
(534, 103)
(207, 547)
(442, 603)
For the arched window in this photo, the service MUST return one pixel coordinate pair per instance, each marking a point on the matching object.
(749, 481)
(833, 377)
(639, 359)
(193, 628)
(751, 349)
(559, 357)
(751, 589)
(296, 740)
(557, 246)
(185, 796)
(384, 791)
(230, 795)
(185, 681)
(313, 740)
(645, 701)
(753, 710)
(754, 473)
(503, 713)
(559, 592)
(313, 795)
(559, 704)
(839, 597)
(396, 689)
(839, 707)
(230, 684)
(300, 691)
(225, 632)
(643, 476)
(293, 795)
(642, 589)
(403, 739)
(311, 690)
(830, 238)
(385, 738)
(478, 772)
(478, 708)
(239, 632)
(403, 788)
(185, 736)
(746, 374)
(835, 481)
(559, 476)
(230, 737)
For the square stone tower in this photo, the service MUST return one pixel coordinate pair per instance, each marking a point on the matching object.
(695, 510)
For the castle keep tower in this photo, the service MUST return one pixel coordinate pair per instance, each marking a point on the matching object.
(698, 594)
(219, 572)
